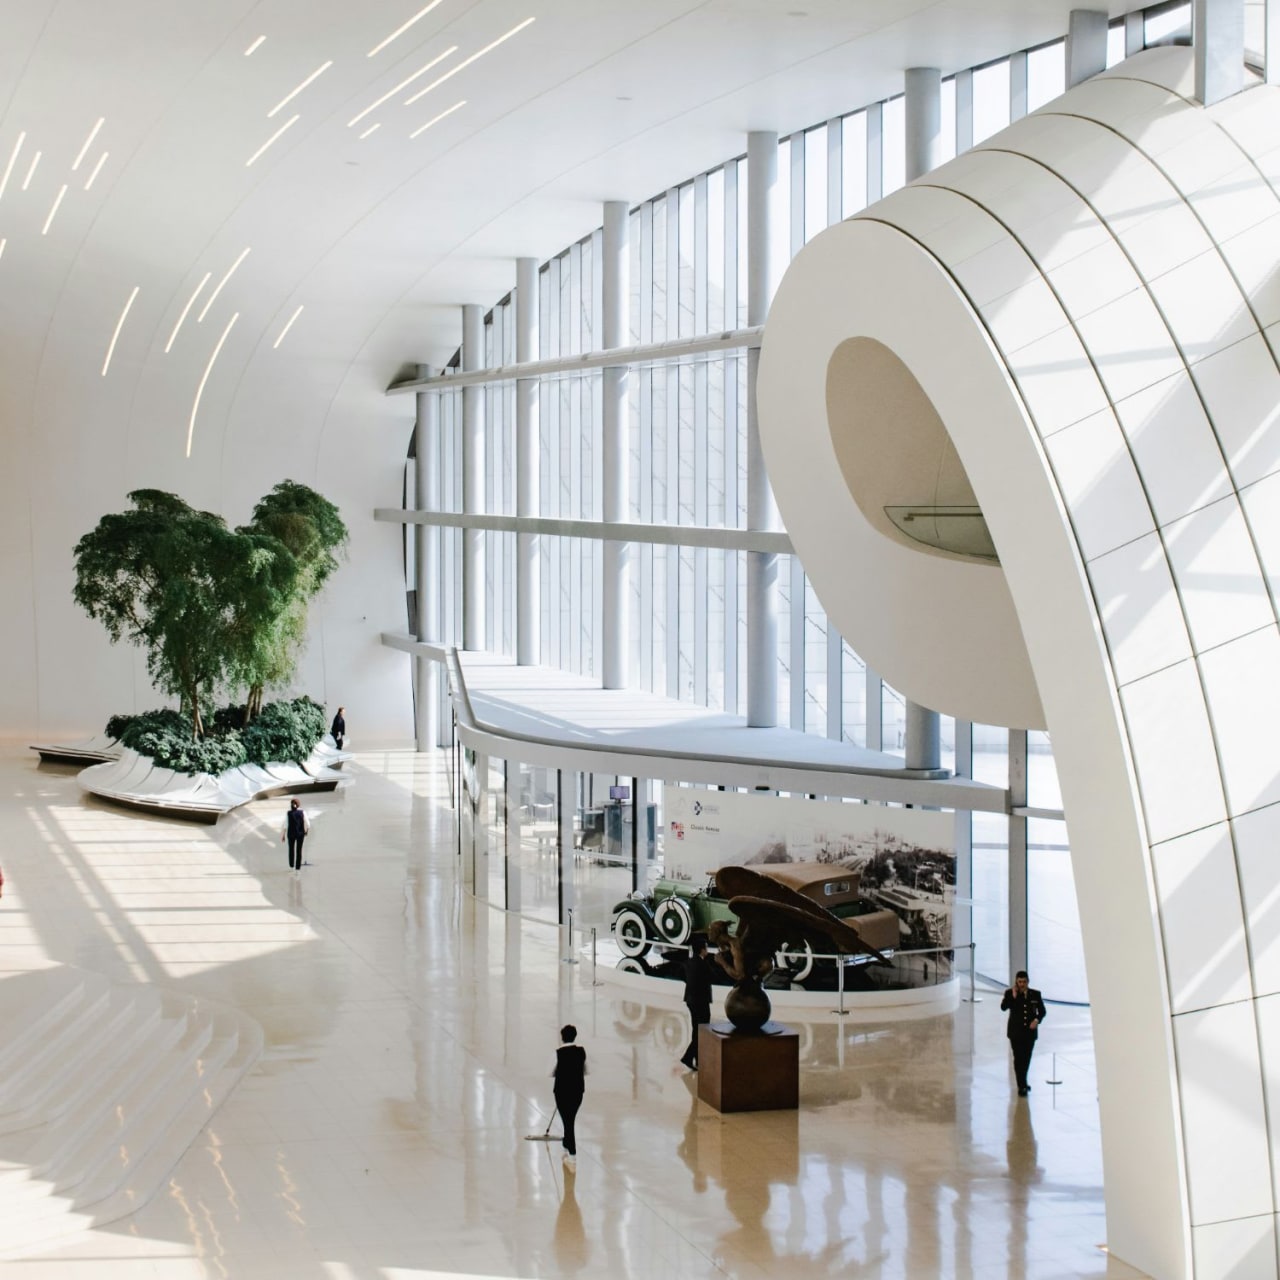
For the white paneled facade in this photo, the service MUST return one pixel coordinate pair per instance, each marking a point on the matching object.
(1118, 424)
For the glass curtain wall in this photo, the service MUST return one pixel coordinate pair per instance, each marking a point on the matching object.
(687, 442)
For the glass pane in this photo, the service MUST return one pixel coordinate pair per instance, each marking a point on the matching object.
(815, 182)
(894, 125)
(991, 895)
(1056, 955)
(1047, 73)
(990, 100)
(1168, 25)
(854, 163)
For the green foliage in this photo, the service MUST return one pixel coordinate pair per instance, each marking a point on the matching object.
(283, 731)
(211, 606)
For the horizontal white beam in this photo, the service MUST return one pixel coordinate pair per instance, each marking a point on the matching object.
(671, 535)
(616, 357)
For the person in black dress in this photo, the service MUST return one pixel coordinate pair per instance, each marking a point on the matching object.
(338, 730)
(1026, 1013)
(697, 994)
(570, 1074)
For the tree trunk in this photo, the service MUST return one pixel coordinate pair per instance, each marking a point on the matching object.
(197, 724)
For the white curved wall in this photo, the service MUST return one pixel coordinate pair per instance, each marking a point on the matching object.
(1099, 288)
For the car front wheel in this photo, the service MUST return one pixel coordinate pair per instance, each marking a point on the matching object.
(674, 920)
(796, 962)
(631, 932)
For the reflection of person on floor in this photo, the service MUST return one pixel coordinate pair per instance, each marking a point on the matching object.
(697, 994)
(570, 1074)
(1026, 1013)
(570, 1241)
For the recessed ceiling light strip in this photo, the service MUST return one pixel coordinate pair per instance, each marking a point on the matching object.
(287, 124)
(190, 303)
(287, 327)
(13, 159)
(466, 62)
(399, 31)
(44, 231)
(31, 173)
(97, 168)
(88, 142)
(106, 364)
(319, 71)
(369, 130)
(249, 51)
(213, 297)
(408, 80)
(436, 119)
(195, 407)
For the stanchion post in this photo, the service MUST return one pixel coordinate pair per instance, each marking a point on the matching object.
(974, 998)
(841, 1011)
(594, 981)
(570, 958)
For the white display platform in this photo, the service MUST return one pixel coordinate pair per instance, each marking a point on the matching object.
(137, 782)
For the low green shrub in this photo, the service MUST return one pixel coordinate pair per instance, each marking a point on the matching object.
(283, 731)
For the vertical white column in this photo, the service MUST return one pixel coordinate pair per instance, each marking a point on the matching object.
(923, 112)
(1018, 85)
(762, 513)
(528, 585)
(1217, 35)
(964, 111)
(426, 540)
(614, 447)
(1271, 42)
(472, 479)
(924, 150)
(1086, 44)
(1017, 852)
(1135, 32)
(962, 920)
(875, 152)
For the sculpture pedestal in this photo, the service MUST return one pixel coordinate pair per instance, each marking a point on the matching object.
(748, 1070)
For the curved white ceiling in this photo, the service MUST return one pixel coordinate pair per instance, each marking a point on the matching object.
(377, 238)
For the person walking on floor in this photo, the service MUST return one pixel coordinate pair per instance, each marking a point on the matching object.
(338, 730)
(697, 994)
(296, 827)
(1026, 1013)
(570, 1074)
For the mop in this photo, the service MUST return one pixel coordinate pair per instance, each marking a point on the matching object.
(545, 1135)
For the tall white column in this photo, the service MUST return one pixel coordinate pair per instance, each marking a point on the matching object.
(472, 479)
(615, 448)
(762, 512)
(1271, 42)
(1217, 35)
(1018, 905)
(1086, 44)
(426, 559)
(1135, 32)
(964, 111)
(528, 584)
(1018, 85)
(923, 111)
(924, 151)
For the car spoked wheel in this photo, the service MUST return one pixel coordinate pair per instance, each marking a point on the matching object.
(631, 964)
(796, 962)
(631, 932)
(674, 920)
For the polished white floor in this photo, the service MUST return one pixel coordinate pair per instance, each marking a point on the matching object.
(408, 1037)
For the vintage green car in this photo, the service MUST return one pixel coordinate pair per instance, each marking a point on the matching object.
(677, 909)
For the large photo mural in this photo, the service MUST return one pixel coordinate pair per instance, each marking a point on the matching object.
(905, 859)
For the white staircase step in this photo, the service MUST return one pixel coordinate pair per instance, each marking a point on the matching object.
(33, 1004)
(112, 1087)
(25, 1095)
(34, 1152)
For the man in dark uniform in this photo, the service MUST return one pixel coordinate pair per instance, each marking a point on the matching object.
(1026, 1013)
(697, 994)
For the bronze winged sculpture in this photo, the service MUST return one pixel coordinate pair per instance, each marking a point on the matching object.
(771, 917)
